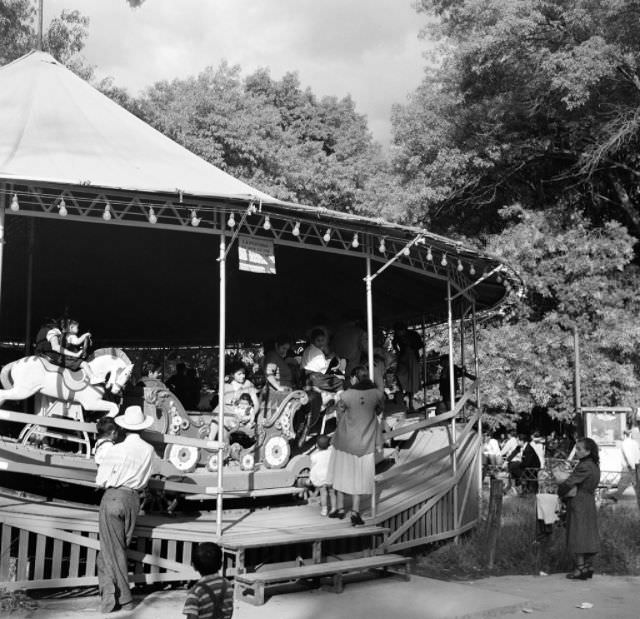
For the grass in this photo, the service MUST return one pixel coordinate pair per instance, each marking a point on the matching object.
(516, 552)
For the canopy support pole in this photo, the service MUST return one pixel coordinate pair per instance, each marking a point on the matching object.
(452, 396)
(28, 317)
(476, 366)
(221, 373)
(425, 369)
(369, 286)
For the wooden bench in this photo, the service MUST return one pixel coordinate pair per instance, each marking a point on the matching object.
(314, 535)
(250, 587)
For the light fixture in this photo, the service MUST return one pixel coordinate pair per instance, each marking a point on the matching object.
(231, 222)
(460, 267)
(406, 251)
(107, 212)
(296, 229)
(195, 220)
(443, 262)
(355, 243)
(14, 203)
(152, 216)
(327, 235)
(267, 223)
(472, 269)
(429, 255)
(382, 248)
(62, 208)
(252, 208)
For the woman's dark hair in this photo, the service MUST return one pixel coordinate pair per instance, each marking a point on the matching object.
(207, 558)
(316, 333)
(236, 366)
(592, 447)
(105, 426)
(360, 373)
(281, 340)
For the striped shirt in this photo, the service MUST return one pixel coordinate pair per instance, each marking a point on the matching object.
(210, 598)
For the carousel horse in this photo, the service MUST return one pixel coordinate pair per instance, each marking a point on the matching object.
(34, 375)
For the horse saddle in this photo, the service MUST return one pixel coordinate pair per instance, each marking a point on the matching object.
(75, 381)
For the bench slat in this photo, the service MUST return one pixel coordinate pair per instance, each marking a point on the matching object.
(332, 567)
(277, 538)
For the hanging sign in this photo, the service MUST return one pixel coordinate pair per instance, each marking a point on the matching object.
(256, 255)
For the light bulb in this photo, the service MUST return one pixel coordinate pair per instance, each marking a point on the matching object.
(195, 220)
(382, 248)
(267, 223)
(152, 216)
(14, 203)
(327, 236)
(296, 229)
(443, 262)
(472, 270)
(62, 208)
(231, 222)
(355, 243)
(460, 267)
(406, 251)
(107, 212)
(429, 255)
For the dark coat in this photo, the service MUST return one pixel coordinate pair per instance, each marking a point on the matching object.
(582, 516)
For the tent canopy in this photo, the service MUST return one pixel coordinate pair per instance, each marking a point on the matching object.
(130, 280)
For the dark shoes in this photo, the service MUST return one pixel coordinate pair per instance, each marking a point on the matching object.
(580, 574)
(337, 513)
(356, 520)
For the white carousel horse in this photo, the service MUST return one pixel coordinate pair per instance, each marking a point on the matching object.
(31, 375)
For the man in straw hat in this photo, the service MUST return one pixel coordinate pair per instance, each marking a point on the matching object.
(124, 470)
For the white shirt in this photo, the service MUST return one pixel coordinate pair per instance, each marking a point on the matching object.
(630, 452)
(314, 360)
(128, 464)
(491, 447)
(509, 446)
(319, 472)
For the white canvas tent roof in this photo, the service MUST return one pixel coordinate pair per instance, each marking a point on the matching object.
(58, 128)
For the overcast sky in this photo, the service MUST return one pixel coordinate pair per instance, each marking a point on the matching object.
(368, 48)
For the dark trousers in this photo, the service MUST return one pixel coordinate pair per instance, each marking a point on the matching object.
(117, 519)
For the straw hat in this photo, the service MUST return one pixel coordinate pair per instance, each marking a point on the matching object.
(134, 419)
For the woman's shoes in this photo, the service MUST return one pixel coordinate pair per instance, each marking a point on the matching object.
(337, 513)
(356, 520)
(580, 574)
(589, 572)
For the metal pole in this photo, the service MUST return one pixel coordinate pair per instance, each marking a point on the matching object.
(3, 201)
(452, 395)
(40, 41)
(462, 359)
(221, 373)
(369, 285)
(476, 372)
(28, 318)
(576, 374)
(425, 372)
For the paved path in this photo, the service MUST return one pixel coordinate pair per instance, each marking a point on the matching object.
(421, 598)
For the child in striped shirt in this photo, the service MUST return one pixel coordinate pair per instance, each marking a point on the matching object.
(212, 596)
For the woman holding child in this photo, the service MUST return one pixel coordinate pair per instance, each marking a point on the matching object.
(352, 463)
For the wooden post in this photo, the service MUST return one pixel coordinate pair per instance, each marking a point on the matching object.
(494, 520)
(637, 486)
(221, 372)
(477, 374)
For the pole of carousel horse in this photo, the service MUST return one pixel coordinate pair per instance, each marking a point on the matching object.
(452, 396)
(476, 372)
(221, 372)
(3, 202)
(369, 317)
(370, 353)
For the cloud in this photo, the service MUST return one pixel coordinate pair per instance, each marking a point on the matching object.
(367, 48)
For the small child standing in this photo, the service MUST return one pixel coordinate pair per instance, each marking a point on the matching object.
(318, 475)
(212, 596)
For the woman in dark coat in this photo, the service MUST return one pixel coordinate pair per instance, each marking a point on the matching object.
(583, 539)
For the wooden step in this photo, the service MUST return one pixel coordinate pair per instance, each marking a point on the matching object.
(250, 587)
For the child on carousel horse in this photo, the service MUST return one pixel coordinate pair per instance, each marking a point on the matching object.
(59, 343)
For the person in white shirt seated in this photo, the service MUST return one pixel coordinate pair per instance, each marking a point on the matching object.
(323, 369)
(510, 445)
(630, 452)
(124, 469)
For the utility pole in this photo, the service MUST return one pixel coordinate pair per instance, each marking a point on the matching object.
(40, 23)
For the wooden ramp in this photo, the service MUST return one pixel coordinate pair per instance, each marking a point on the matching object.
(428, 494)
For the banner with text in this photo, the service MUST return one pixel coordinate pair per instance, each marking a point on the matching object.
(256, 255)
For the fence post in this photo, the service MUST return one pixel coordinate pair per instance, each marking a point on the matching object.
(637, 486)
(494, 519)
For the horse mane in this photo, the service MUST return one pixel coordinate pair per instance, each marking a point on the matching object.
(112, 352)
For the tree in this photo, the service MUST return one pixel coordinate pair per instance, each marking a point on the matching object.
(64, 39)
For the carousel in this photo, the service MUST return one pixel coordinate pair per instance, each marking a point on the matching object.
(150, 244)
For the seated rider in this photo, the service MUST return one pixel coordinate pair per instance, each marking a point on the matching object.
(323, 368)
